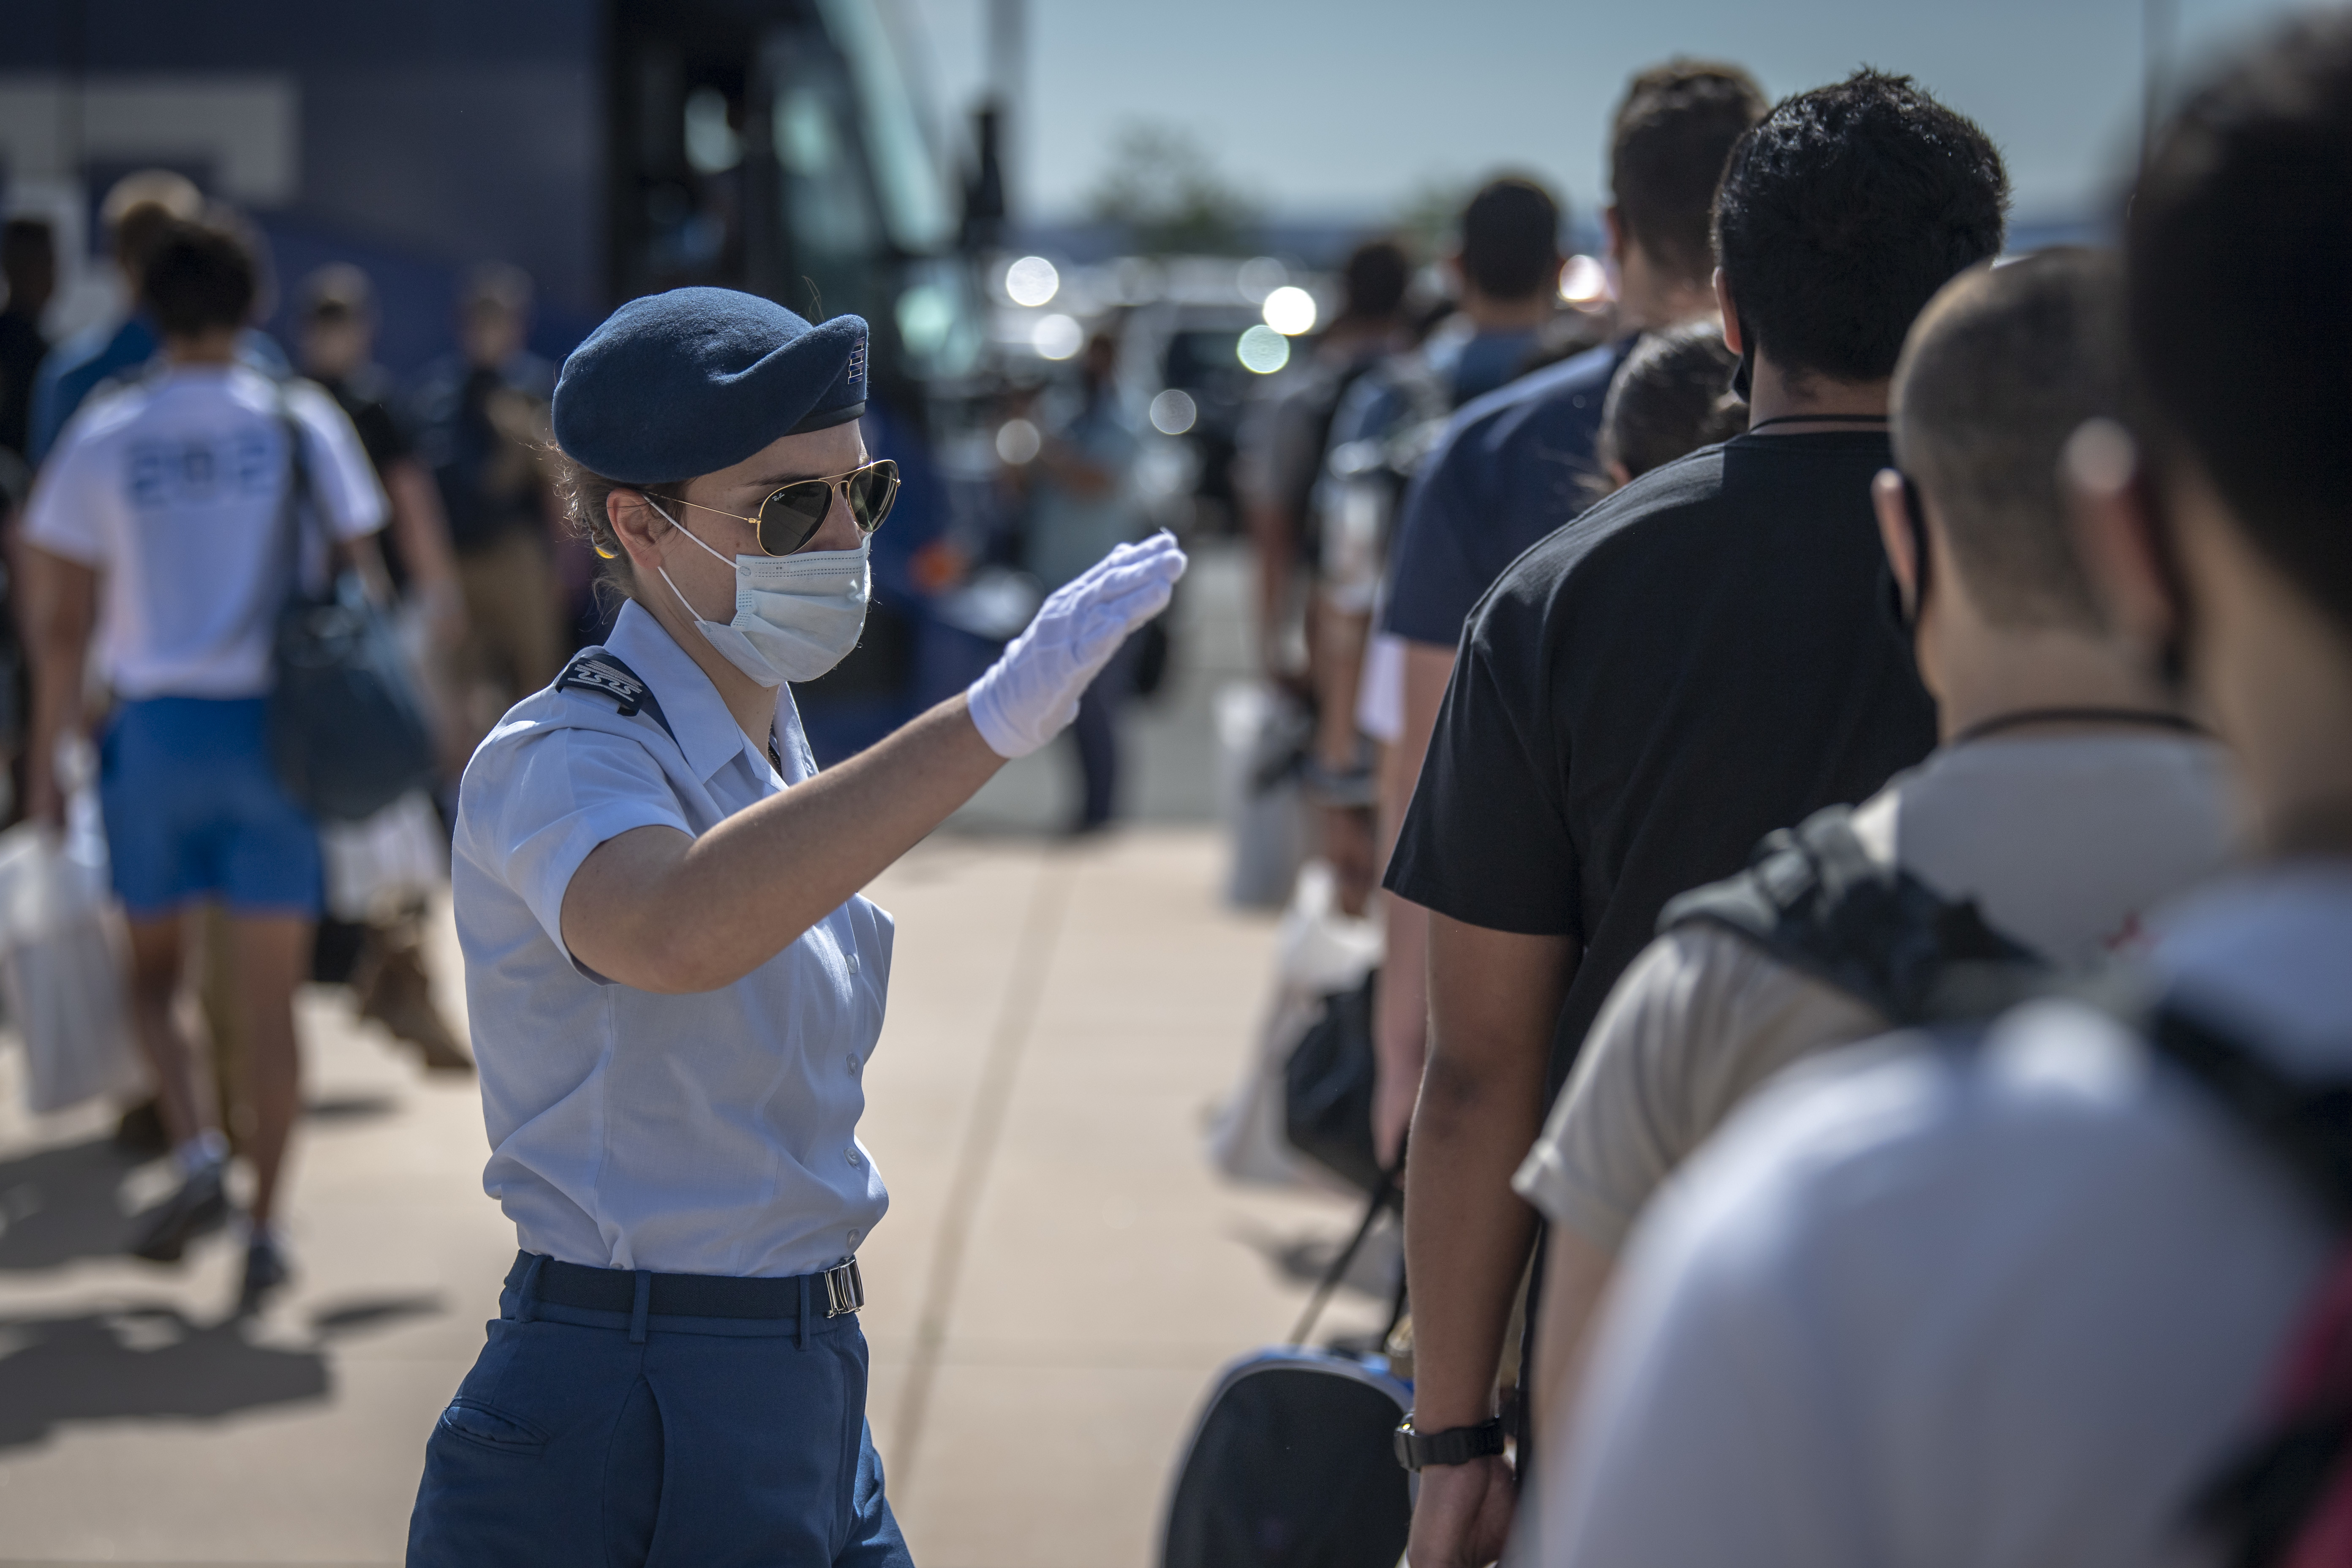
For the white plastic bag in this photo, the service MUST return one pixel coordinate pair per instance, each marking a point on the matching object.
(1318, 952)
(60, 971)
(1262, 738)
(378, 867)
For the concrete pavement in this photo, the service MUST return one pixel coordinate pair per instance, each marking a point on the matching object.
(1058, 1277)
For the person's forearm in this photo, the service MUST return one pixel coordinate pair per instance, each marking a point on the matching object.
(1494, 1002)
(1466, 1234)
(60, 598)
(1338, 667)
(419, 527)
(749, 888)
(1274, 544)
(1400, 1024)
(1576, 1274)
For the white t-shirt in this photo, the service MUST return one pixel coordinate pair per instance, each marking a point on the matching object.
(2064, 841)
(173, 489)
(1916, 1306)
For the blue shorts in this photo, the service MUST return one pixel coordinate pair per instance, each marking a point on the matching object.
(684, 1443)
(193, 810)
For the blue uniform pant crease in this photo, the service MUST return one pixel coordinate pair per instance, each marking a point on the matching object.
(708, 1442)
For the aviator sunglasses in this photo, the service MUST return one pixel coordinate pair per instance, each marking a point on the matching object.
(789, 517)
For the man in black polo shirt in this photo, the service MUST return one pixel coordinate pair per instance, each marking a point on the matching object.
(1644, 695)
(1518, 463)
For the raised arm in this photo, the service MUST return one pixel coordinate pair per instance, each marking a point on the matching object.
(663, 911)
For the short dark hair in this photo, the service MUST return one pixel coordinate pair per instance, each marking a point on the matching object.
(496, 286)
(2003, 366)
(1510, 239)
(1674, 131)
(1841, 215)
(1668, 399)
(2238, 251)
(335, 292)
(199, 279)
(1374, 280)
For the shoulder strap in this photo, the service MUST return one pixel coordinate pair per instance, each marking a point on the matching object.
(595, 670)
(2306, 1126)
(1815, 897)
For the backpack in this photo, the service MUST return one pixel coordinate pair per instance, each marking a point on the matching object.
(1292, 1461)
(1816, 900)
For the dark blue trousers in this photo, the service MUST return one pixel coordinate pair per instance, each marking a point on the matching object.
(581, 1440)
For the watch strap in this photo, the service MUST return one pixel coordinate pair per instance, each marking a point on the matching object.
(1454, 1445)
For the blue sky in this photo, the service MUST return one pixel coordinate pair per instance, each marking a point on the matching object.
(1344, 107)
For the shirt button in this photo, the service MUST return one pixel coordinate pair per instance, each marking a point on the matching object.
(852, 1157)
(853, 1235)
(855, 1064)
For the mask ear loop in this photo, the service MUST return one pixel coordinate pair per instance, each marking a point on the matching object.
(663, 572)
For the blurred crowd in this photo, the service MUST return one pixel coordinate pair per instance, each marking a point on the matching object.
(158, 473)
(1841, 625)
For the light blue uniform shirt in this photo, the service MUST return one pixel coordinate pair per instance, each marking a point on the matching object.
(703, 1134)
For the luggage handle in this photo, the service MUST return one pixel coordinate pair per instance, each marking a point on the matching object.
(1384, 1192)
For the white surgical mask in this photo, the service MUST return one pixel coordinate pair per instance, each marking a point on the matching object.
(797, 616)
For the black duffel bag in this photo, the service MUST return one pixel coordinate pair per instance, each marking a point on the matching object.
(1326, 1088)
(346, 731)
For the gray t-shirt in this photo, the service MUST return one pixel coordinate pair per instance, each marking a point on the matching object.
(1953, 1309)
(2064, 841)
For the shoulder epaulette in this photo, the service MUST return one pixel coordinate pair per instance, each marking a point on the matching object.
(1815, 897)
(594, 670)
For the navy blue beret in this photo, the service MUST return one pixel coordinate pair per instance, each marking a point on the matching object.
(687, 382)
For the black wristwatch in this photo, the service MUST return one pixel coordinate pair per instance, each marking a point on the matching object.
(1456, 1446)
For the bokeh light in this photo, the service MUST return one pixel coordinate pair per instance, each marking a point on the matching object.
(1263, 350)
(1032, 280)
(1057, 336)
(1583, 283)
(1172, 412)
(1017, 441)
(1290, 310)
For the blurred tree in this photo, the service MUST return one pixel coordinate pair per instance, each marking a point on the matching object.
(1163, 188)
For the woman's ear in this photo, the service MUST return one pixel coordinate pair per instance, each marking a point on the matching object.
(2115, 532)
(637, 526)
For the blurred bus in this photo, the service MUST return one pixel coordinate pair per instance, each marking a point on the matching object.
(611, 147)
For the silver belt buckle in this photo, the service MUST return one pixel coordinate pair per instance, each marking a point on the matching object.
(845, 1289)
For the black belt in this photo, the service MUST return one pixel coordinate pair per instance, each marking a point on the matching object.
(840, 1290)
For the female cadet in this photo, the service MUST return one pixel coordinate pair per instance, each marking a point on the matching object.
(672, 981)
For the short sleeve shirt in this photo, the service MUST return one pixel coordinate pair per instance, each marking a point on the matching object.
(1947, 1307)
(710, 1133)
(1512, 466)
(1699, 659)
(174, 488)
(2064, 842)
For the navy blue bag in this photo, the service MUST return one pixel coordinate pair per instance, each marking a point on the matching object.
(346, 731)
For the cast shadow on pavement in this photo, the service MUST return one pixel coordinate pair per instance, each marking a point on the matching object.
(155, 1363)
(59, 1204)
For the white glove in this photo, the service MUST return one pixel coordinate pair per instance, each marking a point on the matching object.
(1031, 694)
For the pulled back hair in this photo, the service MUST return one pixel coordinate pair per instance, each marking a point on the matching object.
(2003, 366)
(1510, 239)
(2238, 250)
(582, 493)
(1672, 133)
(1841, 215)
(200, 277)
(1667, 400)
